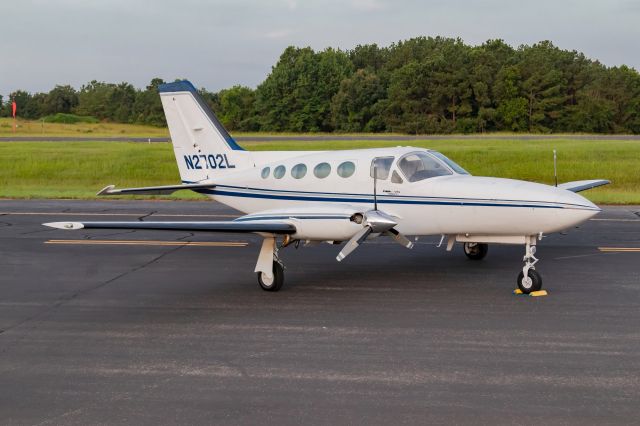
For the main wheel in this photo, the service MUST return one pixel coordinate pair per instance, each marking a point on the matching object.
(476, 251)
(532, 283)
(274, 283)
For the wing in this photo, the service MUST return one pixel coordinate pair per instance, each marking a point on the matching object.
(270, 227)
(583, 185)
(150, 190)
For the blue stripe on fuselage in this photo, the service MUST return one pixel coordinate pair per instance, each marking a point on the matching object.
(370, 200)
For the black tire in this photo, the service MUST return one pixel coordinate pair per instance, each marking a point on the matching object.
(278, 278)
(535, 285)
(476, 251)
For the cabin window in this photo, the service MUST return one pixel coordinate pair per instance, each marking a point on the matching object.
(322, 170)
(265, 172)
(279, 172)
(298, 171)
(418, 166)
(346, 169)
(383, 165)
(395, 177)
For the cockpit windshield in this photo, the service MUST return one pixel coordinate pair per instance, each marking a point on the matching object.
(454, 166)
(417, 166)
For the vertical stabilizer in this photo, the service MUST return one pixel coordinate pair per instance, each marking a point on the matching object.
(204, 149)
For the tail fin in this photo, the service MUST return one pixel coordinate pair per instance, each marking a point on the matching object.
(204, 149)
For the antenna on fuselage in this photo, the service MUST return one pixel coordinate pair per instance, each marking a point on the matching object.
(555, 167)
(375, 189)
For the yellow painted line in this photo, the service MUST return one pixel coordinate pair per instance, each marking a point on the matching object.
(619, 249)
(150, 243)
(113, 214)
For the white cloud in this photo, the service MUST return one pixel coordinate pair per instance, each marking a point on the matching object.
(368, 5)
(278, 34)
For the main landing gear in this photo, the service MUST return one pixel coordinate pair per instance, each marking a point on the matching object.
(269, 268)
(529, 280)
(476, 251)
(273, 282)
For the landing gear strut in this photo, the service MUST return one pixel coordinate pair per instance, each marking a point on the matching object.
(529, 279)
(269, 268)
(476, 251)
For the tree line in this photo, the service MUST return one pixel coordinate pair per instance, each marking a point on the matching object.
(421, 85)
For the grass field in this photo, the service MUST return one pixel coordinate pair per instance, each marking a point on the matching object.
(80, 169)
(39, 128)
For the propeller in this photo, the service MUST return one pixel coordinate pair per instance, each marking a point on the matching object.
(373, 221)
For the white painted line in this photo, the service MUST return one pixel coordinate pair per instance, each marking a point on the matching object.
(616, 220)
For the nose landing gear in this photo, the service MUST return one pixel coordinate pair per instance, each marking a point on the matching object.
(529, 280)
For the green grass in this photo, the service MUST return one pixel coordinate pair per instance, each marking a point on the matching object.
(80, 169)
(43, 128)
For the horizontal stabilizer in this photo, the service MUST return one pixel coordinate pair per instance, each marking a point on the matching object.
(228, 226)
(583, 185)
(154, 190)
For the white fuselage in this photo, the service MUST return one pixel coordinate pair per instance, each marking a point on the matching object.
(456, 204)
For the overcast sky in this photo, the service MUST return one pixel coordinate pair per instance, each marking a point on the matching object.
(220, 43)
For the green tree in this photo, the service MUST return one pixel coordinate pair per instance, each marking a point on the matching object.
(147, 109)
(61, 99)
(354, 108)
(296, 96)
(236, 108)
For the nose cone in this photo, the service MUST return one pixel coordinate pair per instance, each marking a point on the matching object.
(576, 209)
(571, 198)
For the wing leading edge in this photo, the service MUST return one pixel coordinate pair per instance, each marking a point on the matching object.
(153, 190)
(270, 227)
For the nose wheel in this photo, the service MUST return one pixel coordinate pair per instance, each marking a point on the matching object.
(529, 280)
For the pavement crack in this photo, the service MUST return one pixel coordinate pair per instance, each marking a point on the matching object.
(189, 235)
(64, 300)
(141, 218)
(111, 234)
(5, 223)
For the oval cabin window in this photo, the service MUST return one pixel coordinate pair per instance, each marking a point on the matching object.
(279, 172)
(322, 170)
(299, 171)
(346, 169)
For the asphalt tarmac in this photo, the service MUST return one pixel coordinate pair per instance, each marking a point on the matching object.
(121, 327)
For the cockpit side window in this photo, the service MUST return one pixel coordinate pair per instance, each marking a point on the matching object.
(383, 165)
(452, 164)
(418, 166)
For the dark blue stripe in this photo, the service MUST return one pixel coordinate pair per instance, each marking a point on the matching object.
(395, 197)
(368, 200)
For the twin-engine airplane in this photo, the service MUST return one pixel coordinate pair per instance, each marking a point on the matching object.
(352, 196)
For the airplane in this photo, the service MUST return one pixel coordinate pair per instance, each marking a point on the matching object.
(350, 195)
